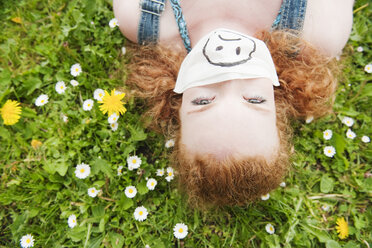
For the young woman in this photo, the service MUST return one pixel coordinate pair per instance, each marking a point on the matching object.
(226, 83)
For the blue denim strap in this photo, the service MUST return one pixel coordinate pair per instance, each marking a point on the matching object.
(148, 30)
(181, 24)
(291, 15)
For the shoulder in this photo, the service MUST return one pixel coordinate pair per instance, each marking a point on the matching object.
(328, 24)
(127, 12)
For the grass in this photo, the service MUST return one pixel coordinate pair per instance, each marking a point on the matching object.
(41, 40)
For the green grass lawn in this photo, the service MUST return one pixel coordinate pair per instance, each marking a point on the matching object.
(39, 189)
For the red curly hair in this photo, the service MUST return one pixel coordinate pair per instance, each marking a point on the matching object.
(307, 86)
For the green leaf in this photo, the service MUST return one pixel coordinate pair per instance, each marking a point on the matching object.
(367, 91)
(18, 222)
(125, 203)
(28, 112)
(95, 242)
(332, 244)
(102, 165)
(98, 211)
(101, 226)
(326, 184)
(339, 143)
(351, 244)
(5, 82)
(4, 133)
(31, 84)
(322, 236)
(116, 240)
(59, 166)
(90, 8)
(359, 223)
(128, 149)
(142, 188)
(49, 167)
(367, 184)
(137, 134)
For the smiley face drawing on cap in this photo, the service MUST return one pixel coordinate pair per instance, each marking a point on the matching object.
(228, 49)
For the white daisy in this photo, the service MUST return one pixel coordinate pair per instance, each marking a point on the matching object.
(360, 49)
(134, 162)
(64, 118)
(160, 172)
(88, 105)
(41, 100)
(74, 83)
(113, 118)
(368, 68)
(169, 143)
(130, 191)
(327, 134)
(325, 208)
(366, 139)
(180, 230)
(350, 134)
(98, 94)
(82, 170)
(113, 23)
(114, 126)
(309, 119)
(265, 197)
(270, 229)
(282, 184)
(329, 151)
(72, 221)
(147, 246)
(123, 50)
(120, 170)
(151, 183)
(75, 70)
(60, 87)
(170, 174)
(140, 213)
(348, 121)
(93, 192)
(27, 241)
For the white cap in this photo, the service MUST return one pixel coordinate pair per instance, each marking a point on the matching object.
(225, 55)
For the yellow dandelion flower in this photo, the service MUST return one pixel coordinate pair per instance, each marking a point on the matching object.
(10, 112)
(342, 228)
(36, 144)
(112, 103)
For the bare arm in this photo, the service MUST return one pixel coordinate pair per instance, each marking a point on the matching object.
(328, 24)
(128, 14)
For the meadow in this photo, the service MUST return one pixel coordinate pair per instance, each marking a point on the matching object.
(66, 166)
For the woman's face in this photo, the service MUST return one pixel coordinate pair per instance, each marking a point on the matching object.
(228, 118)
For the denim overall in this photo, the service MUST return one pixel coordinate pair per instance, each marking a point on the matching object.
(291, 16)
